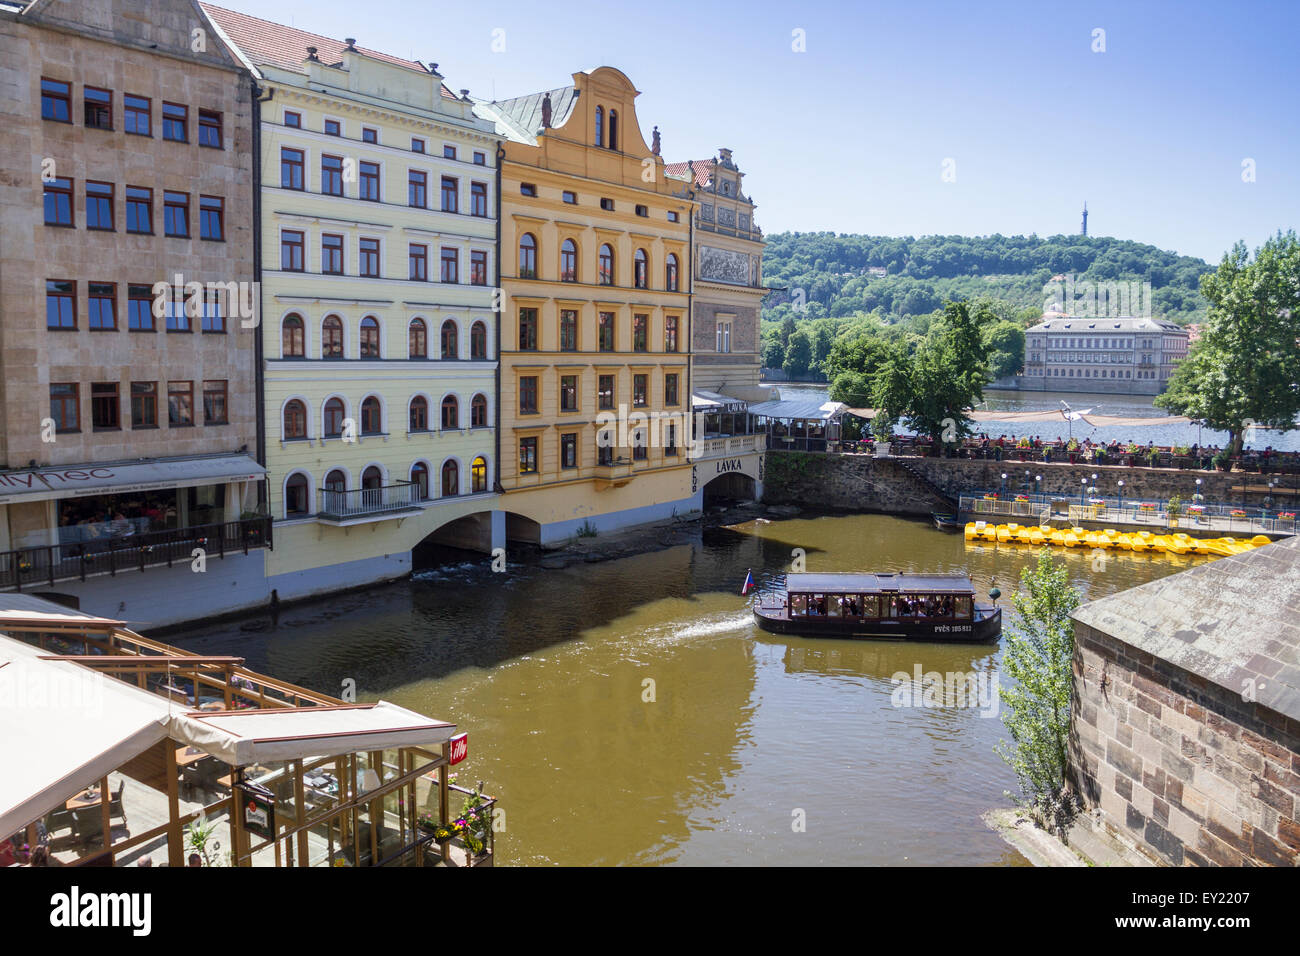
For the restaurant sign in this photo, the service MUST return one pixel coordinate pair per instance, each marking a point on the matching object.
(258, 805)
(459, 749)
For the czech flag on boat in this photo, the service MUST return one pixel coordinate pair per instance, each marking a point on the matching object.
(749, 583)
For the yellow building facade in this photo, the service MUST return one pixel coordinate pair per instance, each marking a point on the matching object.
(595, 331)
(378, 253)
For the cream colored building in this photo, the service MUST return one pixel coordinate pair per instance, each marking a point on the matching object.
(379, 231)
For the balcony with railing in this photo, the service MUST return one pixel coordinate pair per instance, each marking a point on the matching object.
(728, 446)
(369, 504)
(134, 551)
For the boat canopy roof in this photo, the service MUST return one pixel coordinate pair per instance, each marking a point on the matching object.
(841, 583)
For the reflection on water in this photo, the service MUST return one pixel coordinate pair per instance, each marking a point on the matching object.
(629, 712)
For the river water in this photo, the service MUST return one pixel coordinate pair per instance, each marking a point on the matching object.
(1127, 406)
(552, 673)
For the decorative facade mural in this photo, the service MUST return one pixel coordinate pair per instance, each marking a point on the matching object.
(724, 265)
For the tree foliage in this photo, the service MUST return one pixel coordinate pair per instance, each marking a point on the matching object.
(1246, 366)
(1039, 659)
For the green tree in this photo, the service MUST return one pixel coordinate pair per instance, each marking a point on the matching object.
(853, 389)
(1246, 366)
(798, 354)
(773, 352)
(1005, 342)
(1039, 660)
(933, 388)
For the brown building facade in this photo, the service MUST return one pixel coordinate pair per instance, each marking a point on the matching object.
(127, 297)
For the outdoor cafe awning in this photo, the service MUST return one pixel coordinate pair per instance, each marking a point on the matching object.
(41, 484)
(64, 727)
(246, 737)
(804, 409)
(710, 402)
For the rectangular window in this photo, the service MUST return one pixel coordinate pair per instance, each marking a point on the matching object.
(450, 265)
(527, 189)
(642, 211)
(99, 206)
(724, 337)
(419, 259)
(640, 389)
(450, 188)
(56, 101)
(640, 333)
(291, 251)
(292, 120)
(528, 395)
(527, 330)
(144, 404)
(670, 442)
(178, 320)
(60, 304)
(568, 330)
(369, 258)
(478, 199)
(417, 189)
(65, 403)
(638, 446)
(180, 404)
(528, 456)
(604, 455)
(448, 152)
(569, 450)
(212, 218)
(98, 108)
(332, 128)
(607, 205)
(606, 329)
(478, 267)
(331, 254)
(670, 333)
(369, 182)
(58, 202)
(139, 308)
(369, 135)
(417, 145)
(570, 197)
(215, 411)
(605, 392)
(210, 129)
(102, 299)
(291, 166)
(176, 214)
(176, 121)
(673, 217)
(214, 319)
(480, 159)
(136, 115)
(331, 175)
(670, 389)
(104, 406)
(568, 393)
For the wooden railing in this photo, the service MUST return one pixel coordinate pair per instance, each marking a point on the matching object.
(44, 565)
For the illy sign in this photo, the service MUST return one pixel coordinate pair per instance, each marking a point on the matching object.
(459, 749)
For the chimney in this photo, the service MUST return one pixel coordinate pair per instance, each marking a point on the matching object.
(464, 94)
(311, 54)
(351, 43)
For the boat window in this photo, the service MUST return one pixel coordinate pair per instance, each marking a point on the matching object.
(798, 605)
(817, 605)
(961, 606)
(869, 605)
(835, 605)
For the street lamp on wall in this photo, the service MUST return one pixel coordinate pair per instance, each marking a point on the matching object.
(1121, 494)
(1004, 482)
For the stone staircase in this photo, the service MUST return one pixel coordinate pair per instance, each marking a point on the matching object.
(950, 503)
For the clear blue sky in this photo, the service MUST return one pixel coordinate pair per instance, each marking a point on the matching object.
(851, 135)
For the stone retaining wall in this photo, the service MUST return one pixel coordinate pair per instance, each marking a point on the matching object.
(1198, 775)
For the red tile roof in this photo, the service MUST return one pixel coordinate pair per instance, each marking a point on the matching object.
(703, 170)
(265, 42)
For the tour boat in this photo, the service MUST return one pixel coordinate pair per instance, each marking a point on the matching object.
(904, 607)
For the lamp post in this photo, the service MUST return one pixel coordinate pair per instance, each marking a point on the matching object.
(1121, 496)
(1083, 487)
(1004, 482)
(1039, 485)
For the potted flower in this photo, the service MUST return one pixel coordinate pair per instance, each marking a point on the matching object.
(1223, 461)
(1238, 513)
(1174, 509)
